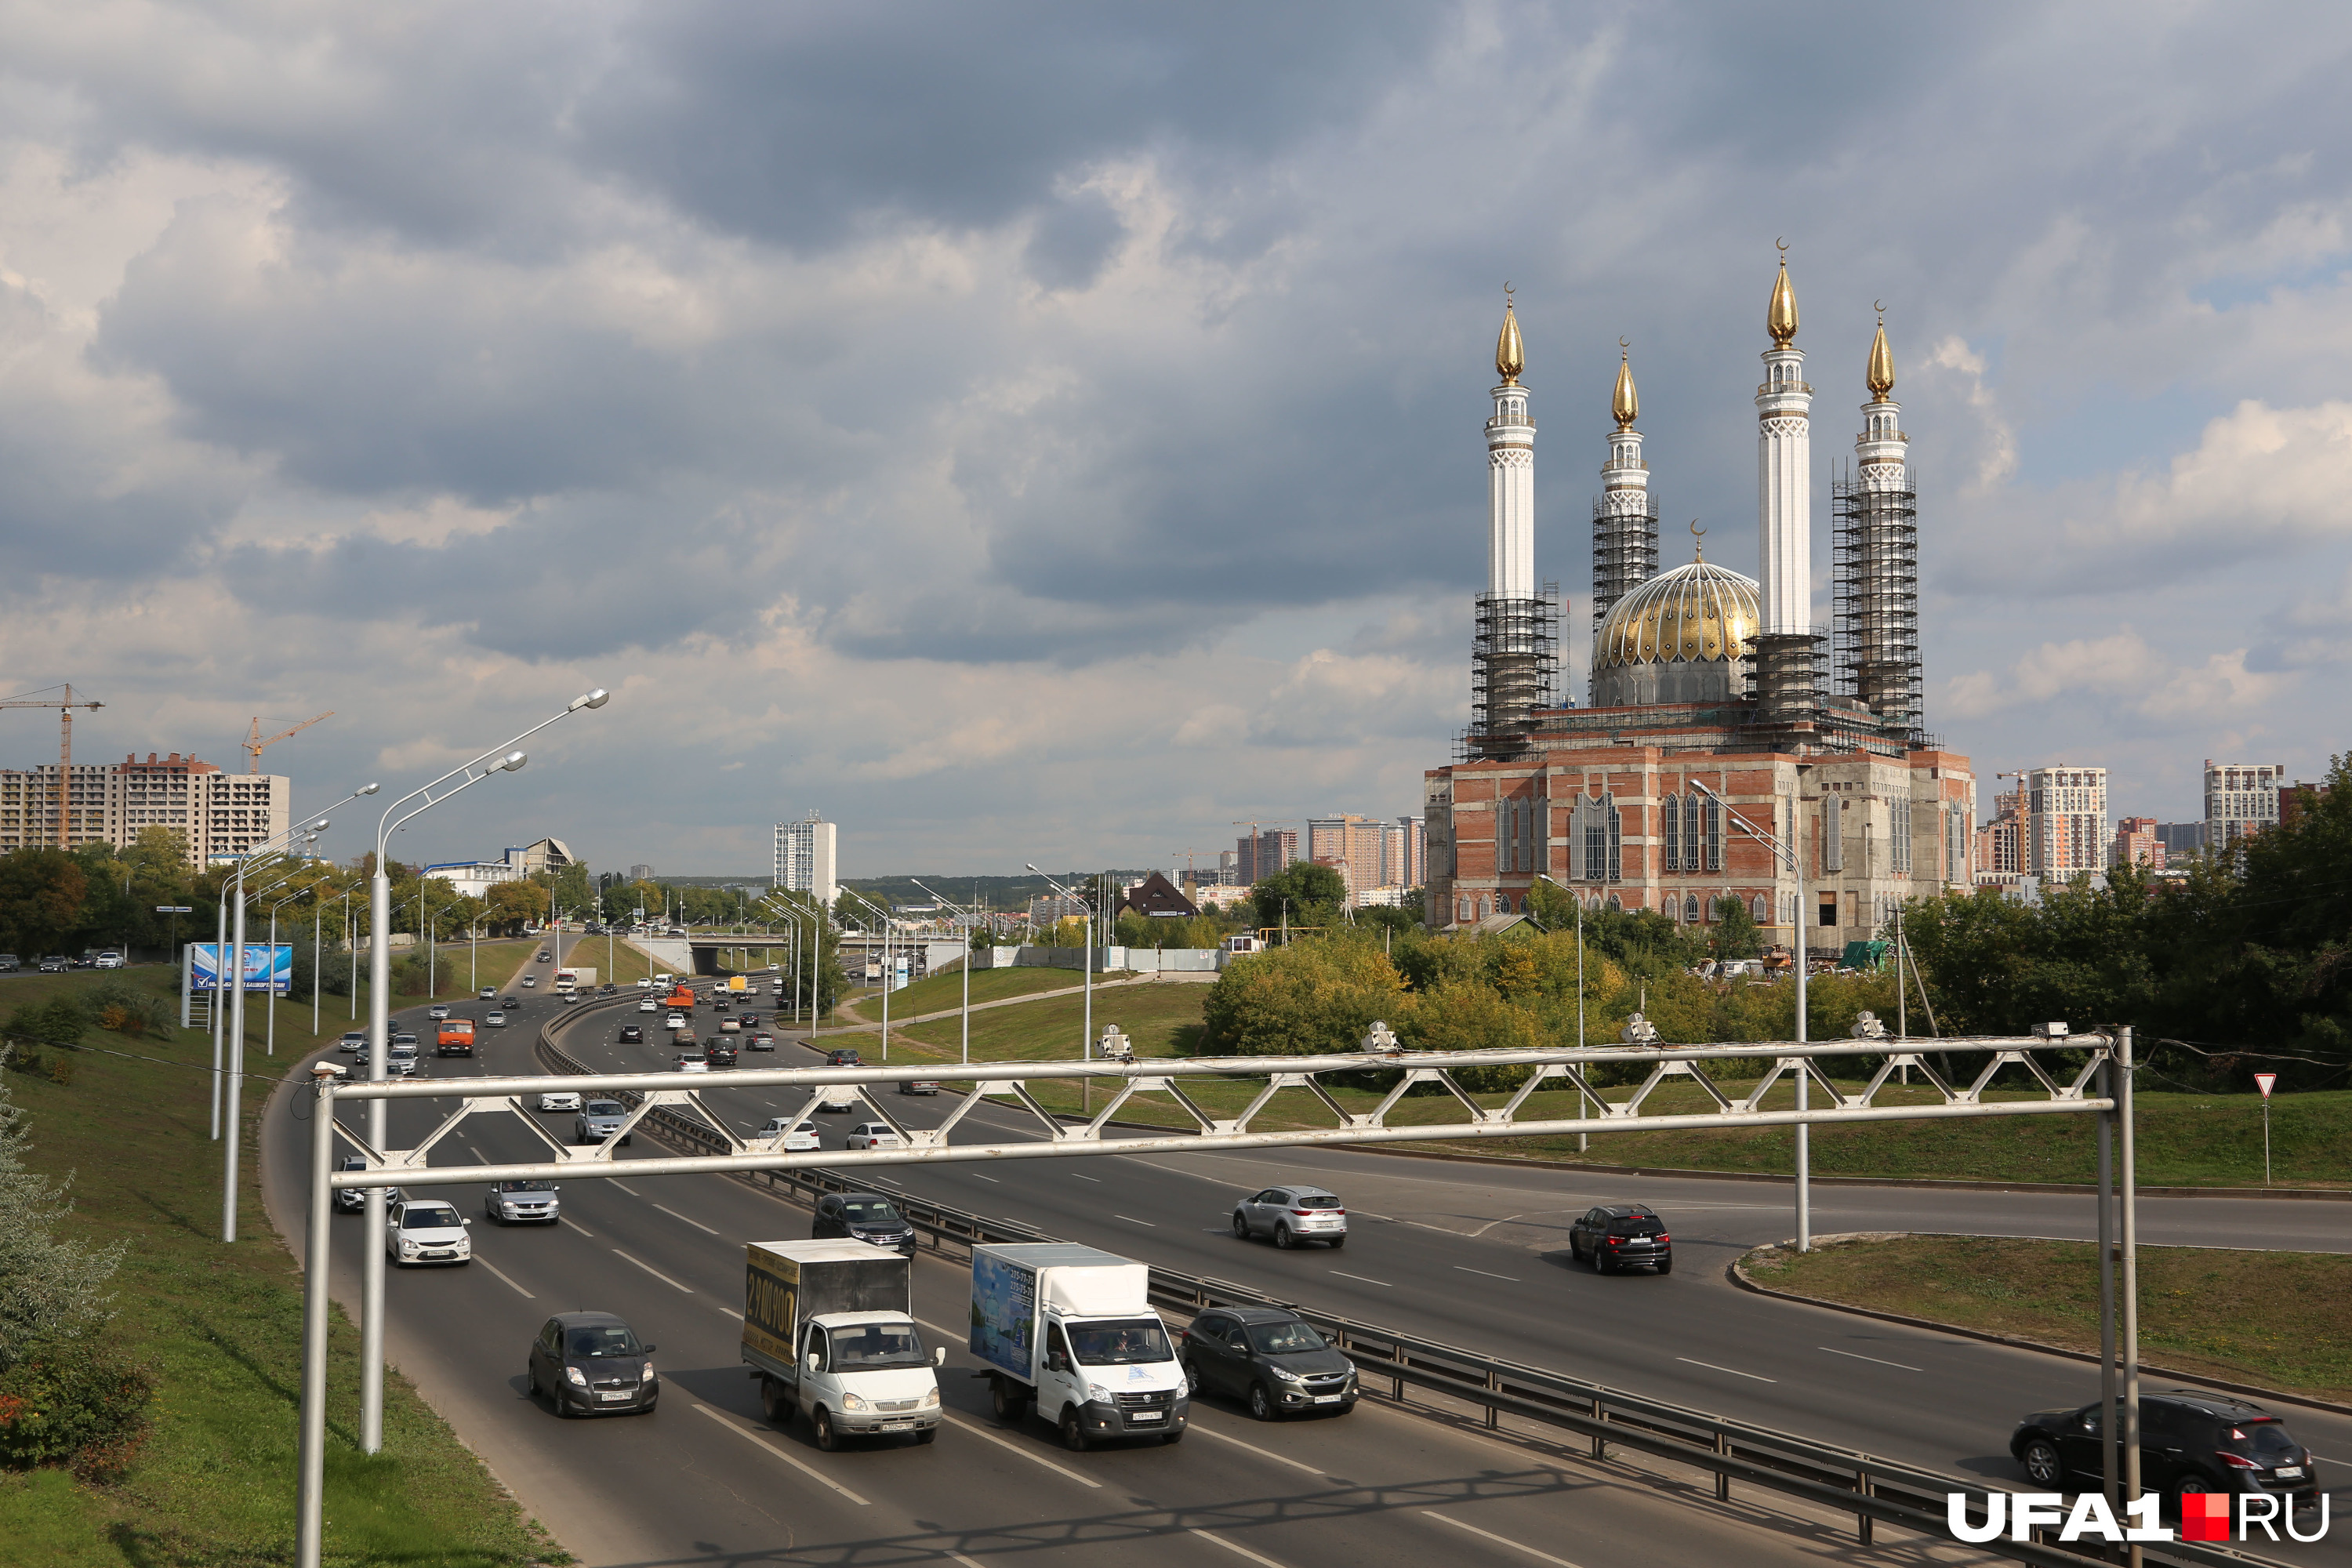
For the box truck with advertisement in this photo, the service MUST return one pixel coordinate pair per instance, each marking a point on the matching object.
(1071, 1330)
(829, 1330)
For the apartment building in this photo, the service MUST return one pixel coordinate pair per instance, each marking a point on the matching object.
(2240, 799)
(219, 815)
(805, 858)
(1262, 855)
(2138, 841)
(2066, 829)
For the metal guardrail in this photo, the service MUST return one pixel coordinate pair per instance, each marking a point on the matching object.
(1872, 1489)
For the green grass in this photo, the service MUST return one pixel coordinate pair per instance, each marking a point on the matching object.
(2274, 1319)
(941, 993)
(2184, 1139)
(219, 1327)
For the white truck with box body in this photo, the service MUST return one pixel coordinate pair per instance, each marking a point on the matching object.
(1071, 1330)
(829, 1330)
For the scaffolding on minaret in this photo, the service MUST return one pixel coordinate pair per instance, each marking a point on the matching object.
(1514, 671)
(1874, 564)
(1624, 548)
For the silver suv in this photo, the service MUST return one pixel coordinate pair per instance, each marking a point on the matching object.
(599, 1119)
(1292, 1215)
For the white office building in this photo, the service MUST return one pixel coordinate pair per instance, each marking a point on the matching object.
(805, 858)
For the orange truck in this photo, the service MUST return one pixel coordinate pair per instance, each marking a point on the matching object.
(681, 999)
(454, 1037)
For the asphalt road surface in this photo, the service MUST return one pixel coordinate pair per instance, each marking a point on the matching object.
(1473, 1254)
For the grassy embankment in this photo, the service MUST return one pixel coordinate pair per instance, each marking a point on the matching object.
(219, 1328)
(2274, 1319)
(2185, 1139)
(944, 992)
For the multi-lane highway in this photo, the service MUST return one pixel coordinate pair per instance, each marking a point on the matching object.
(1471, 1253)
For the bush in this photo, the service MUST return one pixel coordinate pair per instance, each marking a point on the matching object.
(1315, 997)
(69, 1403)
(56, 1023)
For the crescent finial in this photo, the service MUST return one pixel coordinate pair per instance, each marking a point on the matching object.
(1783, 243)
(1696, 531)
(1879, 306)
(1698, 540)
(1507, 290)
(1624, 342)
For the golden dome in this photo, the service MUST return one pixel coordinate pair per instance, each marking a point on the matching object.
(1510, 354)
(1880, 376)
(1698, 612)
(1780, 319)
(1625, 404)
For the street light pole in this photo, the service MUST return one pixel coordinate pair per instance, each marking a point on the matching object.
(887, 975)
(468, 773)
(1583, 1105)
(966, 916)
(1791, 855)
(1086, 1023)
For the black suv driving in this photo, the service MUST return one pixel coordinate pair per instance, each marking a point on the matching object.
(718, 1054)
(2188, 1441)
(632, 1035)
(861, 1216)
(1270, 1357)
(1611, 1237)
(844, 1057)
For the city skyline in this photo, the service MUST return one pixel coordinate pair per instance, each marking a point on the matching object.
(1081, 479)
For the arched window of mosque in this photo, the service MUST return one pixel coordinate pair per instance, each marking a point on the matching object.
(1461, 909)
(1758, 910)
(1613, 903)
(1690, 909)
(1671, 818)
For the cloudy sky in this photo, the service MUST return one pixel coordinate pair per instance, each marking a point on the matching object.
(1031, 432)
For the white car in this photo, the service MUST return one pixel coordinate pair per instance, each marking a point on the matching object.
(570, 997)
(529, 981)
(874, 1135)
(835, 1097)
(646, 985)
(108, 960)
(439, 1011)
(400, 1063)
(674, 1021)
(731, 1026)
(559, 1099)
(496, 1020)
(353, 1042)
(648, 1004)
(693, 1064)
(488, 991)
(797, 1141)
(426, 1230)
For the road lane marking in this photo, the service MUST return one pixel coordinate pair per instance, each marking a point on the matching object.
(1096, 1180)
(1200, 1431)
(1017, 1449)
(1732, 1369)
(495, 1270)
(1132, 1220)
(578, 1227)
(1492, 1223)
(695, 1223)
(1465, 1268)
(765, 1446)
(991, 1180)
(657, 1273)
(1362, 1280)
(1237, 1550)
(1859, 1356)
(624, 1186)
(730, 1311)
(1499, 1539)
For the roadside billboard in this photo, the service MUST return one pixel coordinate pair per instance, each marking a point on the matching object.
(267, 968)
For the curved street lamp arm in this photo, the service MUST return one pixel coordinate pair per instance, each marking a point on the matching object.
(596, 698)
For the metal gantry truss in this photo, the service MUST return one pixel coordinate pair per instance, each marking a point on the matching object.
(2064, 1092)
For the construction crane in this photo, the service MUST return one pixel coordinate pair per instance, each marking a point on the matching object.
(1193, 875)
(253, 742)
(65, 708)
(1254, 823)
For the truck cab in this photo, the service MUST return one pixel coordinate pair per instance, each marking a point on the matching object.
(829, 1328)
(1071, 1330)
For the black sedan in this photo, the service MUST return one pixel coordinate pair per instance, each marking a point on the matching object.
(1272, 1359)
(2189, 1442)
(1612, 1236)
(510, 1002)
(591, 1363)
(631, 1034)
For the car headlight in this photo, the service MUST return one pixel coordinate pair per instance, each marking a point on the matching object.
(853, 1401)
(406, 1244)
(576, 1375)
(932, 1399)
(1097, 1390)
(647, 1375)
(1288, 1376)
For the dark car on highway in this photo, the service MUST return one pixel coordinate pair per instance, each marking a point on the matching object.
(718, 1054)
(2189, 1442)
(631, 1034)
(591, 1363)
(1270, 1358)
(1611, 1237)
(844, 1057)
(511, 1002)
(861, 1216)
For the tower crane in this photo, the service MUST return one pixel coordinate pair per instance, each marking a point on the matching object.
(65, 708)
(253, 742)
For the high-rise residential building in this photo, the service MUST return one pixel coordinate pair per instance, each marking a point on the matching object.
(1262, 855)
(219, 815)
(2180, 840)
(805, 858)
(2066, 829)
(641, 873)
(2240, 799)
(1996, 841)
(1356, 847)
(2135, 843)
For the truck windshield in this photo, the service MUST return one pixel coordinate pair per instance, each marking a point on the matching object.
(873, 1345)
(1119, 1343)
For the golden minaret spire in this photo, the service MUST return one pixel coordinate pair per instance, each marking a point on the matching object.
(1880, 376)
(1625, 404)
(1780, 319)
(1510, 354)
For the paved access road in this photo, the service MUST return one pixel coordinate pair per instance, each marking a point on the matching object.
(1470, 1253)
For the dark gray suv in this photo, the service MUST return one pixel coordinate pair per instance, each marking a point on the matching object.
(1271, 1359)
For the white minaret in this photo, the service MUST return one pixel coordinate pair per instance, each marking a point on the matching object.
(1510, 473)
(1784, 473)
(1624, 520)
(1882, 450)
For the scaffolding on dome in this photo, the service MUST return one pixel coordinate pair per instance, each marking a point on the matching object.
(1625, 551)
(1874, 557)
(1514, 671)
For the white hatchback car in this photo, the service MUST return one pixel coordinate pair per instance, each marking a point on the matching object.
(559, 1099)
(874, 1135)
(648, 1005)
(674, 1021)
(797, 1141)
(426, 1230)
(693, 1064)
